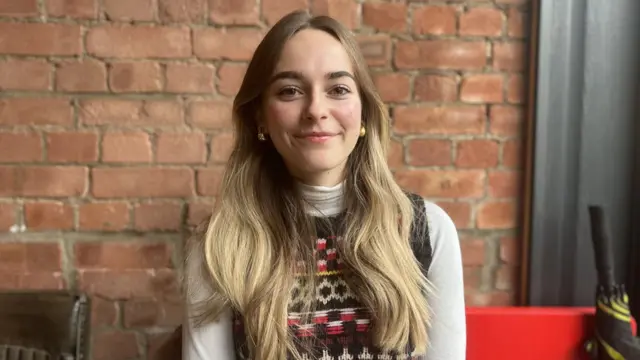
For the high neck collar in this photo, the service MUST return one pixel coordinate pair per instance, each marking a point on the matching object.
(323, 200)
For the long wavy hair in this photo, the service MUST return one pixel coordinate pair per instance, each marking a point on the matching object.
(259, 233)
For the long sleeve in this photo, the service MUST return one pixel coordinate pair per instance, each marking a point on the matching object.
(213, 341)
(448, 338)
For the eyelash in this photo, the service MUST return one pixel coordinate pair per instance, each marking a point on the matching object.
(344, 89)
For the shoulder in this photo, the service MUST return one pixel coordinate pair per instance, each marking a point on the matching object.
(439, 222)
(441, 231)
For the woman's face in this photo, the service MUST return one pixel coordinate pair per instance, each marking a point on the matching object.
(312, 110)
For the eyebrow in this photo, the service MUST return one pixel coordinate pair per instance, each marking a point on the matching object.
(298, 75)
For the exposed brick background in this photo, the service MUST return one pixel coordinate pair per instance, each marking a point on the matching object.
(114, 125)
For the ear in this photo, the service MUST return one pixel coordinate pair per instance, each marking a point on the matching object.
(260, 122)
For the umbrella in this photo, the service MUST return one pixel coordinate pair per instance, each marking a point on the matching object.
(613, 338)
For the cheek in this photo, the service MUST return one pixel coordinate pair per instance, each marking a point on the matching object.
(280, 117)
(349, 115)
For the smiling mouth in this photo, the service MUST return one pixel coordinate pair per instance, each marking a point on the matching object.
(316, 137)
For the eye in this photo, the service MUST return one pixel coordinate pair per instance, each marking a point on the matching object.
(340, 90)
(289, 91)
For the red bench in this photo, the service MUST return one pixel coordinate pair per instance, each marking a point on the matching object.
(528, 333)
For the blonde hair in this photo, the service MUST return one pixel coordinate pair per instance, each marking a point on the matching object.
(259, 231)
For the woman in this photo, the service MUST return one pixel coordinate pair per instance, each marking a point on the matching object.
(308, 202)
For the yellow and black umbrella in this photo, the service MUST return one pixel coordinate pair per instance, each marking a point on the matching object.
(613, 338)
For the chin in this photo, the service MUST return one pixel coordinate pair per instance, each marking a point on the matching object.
(315, 164)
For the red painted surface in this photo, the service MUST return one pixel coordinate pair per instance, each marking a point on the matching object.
(528, 333)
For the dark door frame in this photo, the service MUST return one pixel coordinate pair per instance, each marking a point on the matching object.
(579, 144)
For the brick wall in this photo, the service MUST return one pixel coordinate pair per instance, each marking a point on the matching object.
(114, 125)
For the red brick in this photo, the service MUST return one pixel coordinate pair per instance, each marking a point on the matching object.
(512, 2)
(443, 183)
(108, 216)
(8, 216)
(445, 120)
(429, 152)
(142, 182)
(20, 147)
(139, 76)
(113, 344)
(504, 184)
(140, 41)
(477, 153)
(29, 257)
(497, 215)
(181, 148)
(130, 112)
(395, 157)
(460, 213)
(45, 181)
(48, 216)
(510, 250)
(230, 44)
(432, 87)
(149, 313)
(83, 9)
(505, 120)
(344, 11)
(79, 76)
(473, 251)
(36, 111)
(516, 24)
(39, 39)
(482, 88)
(159, 344)
(507, 277)
(376, 49)
(18, 8)
(122, 255)
(393, 87)
(103, 312)
(157, 216)
(128, 10)
(128, 284)
(190, 78)
(31, 281)
(434, 20)
(230, 77)
(389, 17)
(191, 11)
(208, 180)
(512, 154)
(508, 56)
(234, 12)
(515, 89)
(481, 22)
(472, 277)
(440, 54)
(199, 212)
(24, 74)
(210, 114)
(72, 147)
(273, 10)
(221, 147)
(493, 298)
(126, 147)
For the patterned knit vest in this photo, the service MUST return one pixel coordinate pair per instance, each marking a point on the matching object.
(340, 323)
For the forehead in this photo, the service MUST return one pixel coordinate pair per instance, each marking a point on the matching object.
(312, 52)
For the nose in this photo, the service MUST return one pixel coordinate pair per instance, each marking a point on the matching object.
(317, 106)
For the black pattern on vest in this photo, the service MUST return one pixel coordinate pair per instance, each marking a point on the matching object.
(340, 323)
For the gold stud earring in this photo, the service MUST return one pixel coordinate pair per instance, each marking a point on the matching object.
(363, 131)
(261, 136)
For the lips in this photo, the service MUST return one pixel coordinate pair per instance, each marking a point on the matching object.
(317, 136)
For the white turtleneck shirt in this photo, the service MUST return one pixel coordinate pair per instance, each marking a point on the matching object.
(447, 333)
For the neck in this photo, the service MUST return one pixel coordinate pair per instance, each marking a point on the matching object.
(323, 200)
